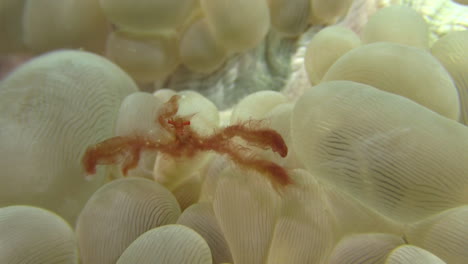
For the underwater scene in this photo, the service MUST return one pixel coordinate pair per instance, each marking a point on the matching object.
(234, 131)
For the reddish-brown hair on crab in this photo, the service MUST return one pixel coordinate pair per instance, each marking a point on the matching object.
(187, 142)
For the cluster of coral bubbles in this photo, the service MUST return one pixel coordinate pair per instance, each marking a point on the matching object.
(361, 158)
(149, 39)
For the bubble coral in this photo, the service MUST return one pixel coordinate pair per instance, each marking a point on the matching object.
(145, 58)
(325, 48)
(398, 24)
(199, 50)
(33, 235)
(289, 17)
(238, 25)
(451, 52)
(147, 15)
(406, 202)
(102, 227)
(407, 254)
(400, 69)
(158, 245)
(363, 141)
(49, 108)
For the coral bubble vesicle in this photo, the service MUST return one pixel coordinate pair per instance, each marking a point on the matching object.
(30, 235)
(400, 69)
(199, 50)
(444, 234)
(325, 48)
(399, 24)
(118, 213)
(393, 155)
(289, 17)
(50, 25)
(451, 51)
(147, 15)
(168, 244)
(145, 58)
(364, 248)
(408, 254)
(238, 25)
(51, 108)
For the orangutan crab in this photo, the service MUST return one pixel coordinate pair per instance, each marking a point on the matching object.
(187, 142)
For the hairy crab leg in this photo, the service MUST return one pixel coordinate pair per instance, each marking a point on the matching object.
(261, 138)
(277, 175)
(125, 150)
